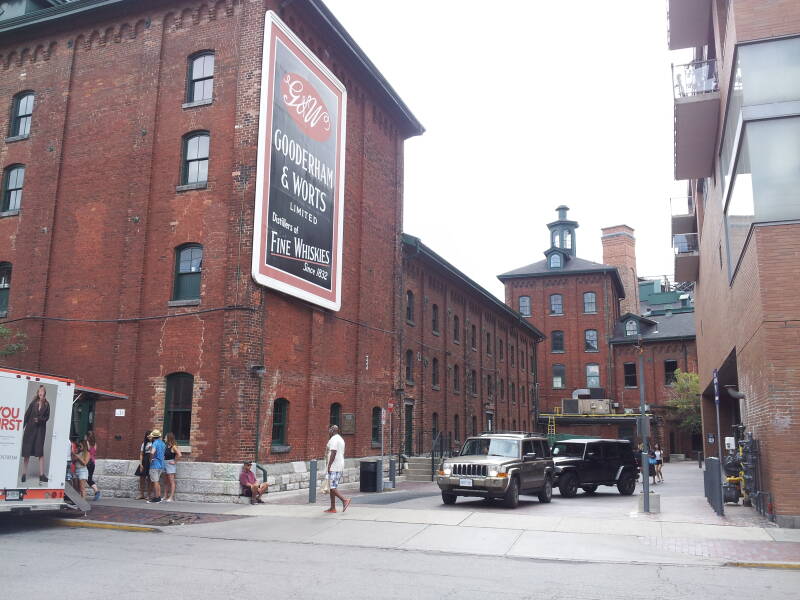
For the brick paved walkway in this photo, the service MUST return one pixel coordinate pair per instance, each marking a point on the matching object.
(729, 550)
(148, 516)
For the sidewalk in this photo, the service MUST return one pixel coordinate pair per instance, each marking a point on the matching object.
(603, 528)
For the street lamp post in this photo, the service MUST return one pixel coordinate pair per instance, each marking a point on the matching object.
(643, 429)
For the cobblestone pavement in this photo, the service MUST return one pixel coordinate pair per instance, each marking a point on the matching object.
(148, 516)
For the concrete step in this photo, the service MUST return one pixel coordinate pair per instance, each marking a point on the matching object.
(416, 477)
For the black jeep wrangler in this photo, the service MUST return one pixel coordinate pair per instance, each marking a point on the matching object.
(587, 463)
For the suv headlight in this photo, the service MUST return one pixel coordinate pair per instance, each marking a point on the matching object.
(493, 470)
(446, 470)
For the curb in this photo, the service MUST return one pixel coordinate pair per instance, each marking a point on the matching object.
(763, 565)
(104, 525)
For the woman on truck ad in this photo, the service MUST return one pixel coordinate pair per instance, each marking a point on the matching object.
(35, 432)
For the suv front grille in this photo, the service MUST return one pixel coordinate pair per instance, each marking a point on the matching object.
(467, 469)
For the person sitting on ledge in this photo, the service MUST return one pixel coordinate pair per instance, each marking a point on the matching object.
(250, 487)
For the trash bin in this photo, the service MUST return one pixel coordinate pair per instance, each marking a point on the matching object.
(368, 478)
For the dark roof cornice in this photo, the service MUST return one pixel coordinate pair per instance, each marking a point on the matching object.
(412, 127)
(418, 247)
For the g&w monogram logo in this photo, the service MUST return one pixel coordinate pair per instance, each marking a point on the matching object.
(306, 107)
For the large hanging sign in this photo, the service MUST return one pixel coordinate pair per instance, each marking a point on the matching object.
(299, 205)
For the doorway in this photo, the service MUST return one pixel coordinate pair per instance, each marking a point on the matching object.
(408, 407)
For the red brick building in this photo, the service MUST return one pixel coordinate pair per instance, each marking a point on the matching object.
(469, 360)
(737, 234)
(592, 347)
(128, 160)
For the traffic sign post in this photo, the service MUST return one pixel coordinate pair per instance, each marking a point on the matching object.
(719, 437)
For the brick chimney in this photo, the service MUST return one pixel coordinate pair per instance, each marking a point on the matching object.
(619, 250)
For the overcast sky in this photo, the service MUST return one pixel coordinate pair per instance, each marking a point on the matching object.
(528, 104)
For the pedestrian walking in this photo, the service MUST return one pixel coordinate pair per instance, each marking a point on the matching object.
(651, 460)
(81, 458)
(171, 455)
(143, 470)
(35, 432)
(156, 464)
(335, 449)
(91, 444)
(659, 463)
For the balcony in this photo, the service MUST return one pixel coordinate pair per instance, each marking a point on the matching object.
(697, 105)
(689, 23)
(687, 257)
(684, 219)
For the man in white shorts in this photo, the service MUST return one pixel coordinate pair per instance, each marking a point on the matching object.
(336, 468)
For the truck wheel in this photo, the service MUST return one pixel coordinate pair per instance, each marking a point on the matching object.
(511, 499)
(626, 484)
(546, 495)
(568, 486)
(589, 489)
(448, 498)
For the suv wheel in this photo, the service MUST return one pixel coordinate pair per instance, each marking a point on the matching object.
(568, 486)
(448, 498)
(546, 495)
(590, 489)
(511, 499)
(626, 484)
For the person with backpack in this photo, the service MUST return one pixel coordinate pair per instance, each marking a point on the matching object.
(143, 470)
(158, 447)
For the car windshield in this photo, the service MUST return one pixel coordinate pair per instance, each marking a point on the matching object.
(491, 447)
(568, 450)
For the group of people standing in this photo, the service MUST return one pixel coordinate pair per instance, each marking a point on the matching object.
(157, 457)
(80, 468)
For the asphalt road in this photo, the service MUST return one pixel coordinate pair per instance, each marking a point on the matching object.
(41, 561)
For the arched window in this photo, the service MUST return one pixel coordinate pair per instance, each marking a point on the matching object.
(631, 327)
(513, 393)
(456, 428)
(21, 114)
(590, 341)
(376, 425)
(559, 377)
(514, 425)
(435, 424)
(195, 158)
(188, 269)
(473, 382)
(13, 180)
(336, 413)
(488, 343)
(589, 302)
(473, 338)
(435, 372)
(489, 388)
(456, 329)
(178, 406)
(280, 415)
(555, 261)
(500, 347)
(201, 77)
(5, 287)
(409, 366)
(435, 318)
(456, 378)
(511, 354)
(555, 239)
(525, 306)
(409, 306)
(568, 239)
(592, 375)
(556, 304)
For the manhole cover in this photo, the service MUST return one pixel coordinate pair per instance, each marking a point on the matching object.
(175, 519)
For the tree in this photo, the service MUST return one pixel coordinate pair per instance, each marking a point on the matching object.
(685, 400)
(11, 341)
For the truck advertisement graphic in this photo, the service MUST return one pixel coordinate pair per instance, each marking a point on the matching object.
(35, 413)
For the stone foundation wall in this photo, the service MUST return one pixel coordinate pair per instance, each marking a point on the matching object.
(215, 482)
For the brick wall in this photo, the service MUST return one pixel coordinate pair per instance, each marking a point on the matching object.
(101, 219)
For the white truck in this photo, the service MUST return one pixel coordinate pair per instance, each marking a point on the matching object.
(35, 415)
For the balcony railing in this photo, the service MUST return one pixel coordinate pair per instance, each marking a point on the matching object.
(695, 78)
(682, 206)
(685, 243)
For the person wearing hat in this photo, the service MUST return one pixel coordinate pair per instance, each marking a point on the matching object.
(156, 464)
(250, 487)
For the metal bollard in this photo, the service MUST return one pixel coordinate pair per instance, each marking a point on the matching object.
(393, 472)
(312, 482)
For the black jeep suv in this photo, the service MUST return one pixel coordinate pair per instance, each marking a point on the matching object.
(587, 463)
